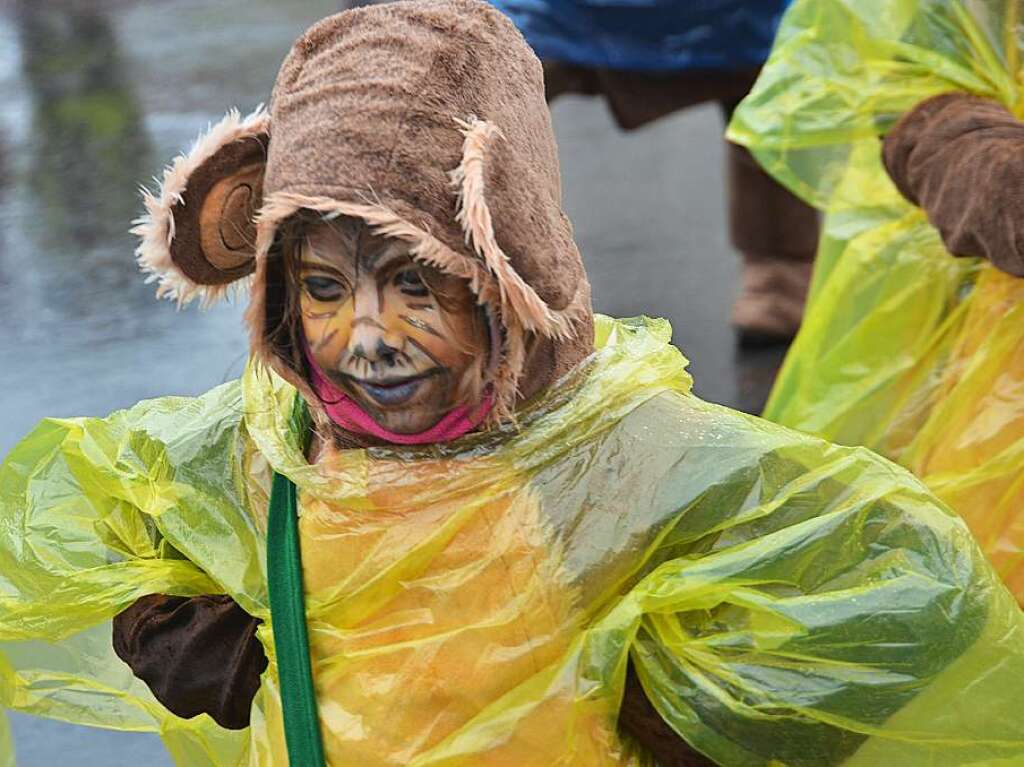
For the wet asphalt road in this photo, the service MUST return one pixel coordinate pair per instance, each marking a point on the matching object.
(96, 96)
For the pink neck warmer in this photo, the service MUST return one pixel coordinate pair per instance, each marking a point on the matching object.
(348, 415)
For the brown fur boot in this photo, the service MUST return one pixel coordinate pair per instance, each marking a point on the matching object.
(771, 301)
(777, 234)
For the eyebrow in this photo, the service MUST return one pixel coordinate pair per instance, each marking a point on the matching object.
(378, 257)
(393, 251)
(312, 258)
(322, 266)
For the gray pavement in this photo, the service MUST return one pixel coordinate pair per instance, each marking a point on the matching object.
(98, 95)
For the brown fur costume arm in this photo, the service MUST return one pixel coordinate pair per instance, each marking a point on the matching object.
(198, 655)
(961, 158)
(639, 719)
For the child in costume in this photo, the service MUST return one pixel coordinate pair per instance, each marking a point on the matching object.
(651, 59)
(450, 517)
(905, 349)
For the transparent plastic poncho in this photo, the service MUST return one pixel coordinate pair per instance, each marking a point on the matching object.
(784, 601)
(905, 348)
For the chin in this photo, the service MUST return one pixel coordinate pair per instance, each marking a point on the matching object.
(406, 421)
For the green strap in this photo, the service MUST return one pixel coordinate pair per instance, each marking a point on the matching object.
(288, 618)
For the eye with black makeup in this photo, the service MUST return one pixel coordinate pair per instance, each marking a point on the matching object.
(411, 283)
(323, 288)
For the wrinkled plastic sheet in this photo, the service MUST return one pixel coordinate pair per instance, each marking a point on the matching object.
(904, 348)
(650, 35)
(784, 601)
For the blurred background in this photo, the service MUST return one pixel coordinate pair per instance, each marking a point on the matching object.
(97, 95)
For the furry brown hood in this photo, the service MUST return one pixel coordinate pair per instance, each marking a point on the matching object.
(425, 119)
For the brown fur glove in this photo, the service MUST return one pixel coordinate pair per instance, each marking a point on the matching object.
(961, 158)
(198, 655)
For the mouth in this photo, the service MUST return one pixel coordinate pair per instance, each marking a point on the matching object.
(390, 392)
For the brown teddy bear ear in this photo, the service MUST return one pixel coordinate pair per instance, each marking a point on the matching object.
(198, 236)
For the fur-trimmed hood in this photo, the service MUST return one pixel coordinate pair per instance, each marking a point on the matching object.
(425, 119)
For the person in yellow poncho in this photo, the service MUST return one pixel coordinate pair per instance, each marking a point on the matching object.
(450, 517)
(906, 349)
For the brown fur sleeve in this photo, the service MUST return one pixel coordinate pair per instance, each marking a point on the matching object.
(639, 719)
(198, 655)
(961, 158)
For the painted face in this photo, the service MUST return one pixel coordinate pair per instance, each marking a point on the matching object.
(406, 342)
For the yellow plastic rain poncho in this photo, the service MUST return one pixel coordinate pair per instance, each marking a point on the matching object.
(784, 601)
(904, 348)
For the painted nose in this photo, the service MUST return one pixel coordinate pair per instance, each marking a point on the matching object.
(374, 338)
(374, 343)
(384, 354)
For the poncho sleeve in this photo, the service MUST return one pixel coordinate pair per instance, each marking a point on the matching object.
(811, 604)
(96, 513)
(842, 73)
